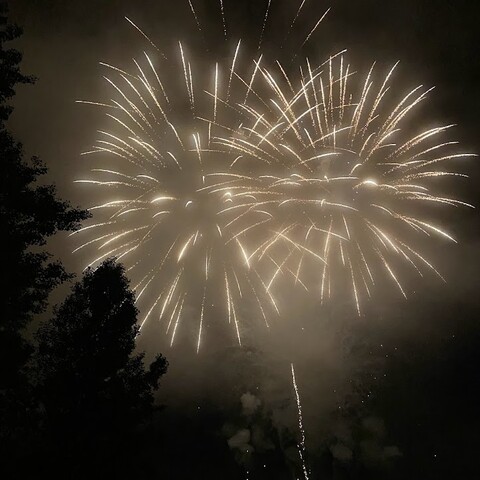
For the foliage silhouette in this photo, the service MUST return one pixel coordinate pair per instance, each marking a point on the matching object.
(29, 214)
(10, 74)
(96, 392)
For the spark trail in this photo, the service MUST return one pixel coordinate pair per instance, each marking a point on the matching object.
(301, 446)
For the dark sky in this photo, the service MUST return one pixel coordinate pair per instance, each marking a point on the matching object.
(430, 343)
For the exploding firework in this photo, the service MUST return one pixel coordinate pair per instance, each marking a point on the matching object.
(343, 177)
(164, 194)
(240, 174)
(163, 174)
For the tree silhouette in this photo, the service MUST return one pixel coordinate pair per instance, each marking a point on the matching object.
(10, 59)
(29, 214)
(96, 392)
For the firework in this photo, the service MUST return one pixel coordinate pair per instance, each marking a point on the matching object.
(162, 188)
(168, 184)
(344, 178)
(214, 188)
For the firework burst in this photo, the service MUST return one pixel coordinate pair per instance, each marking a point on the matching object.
(160, 215)
(163, 216)
(344, 178)
(215, 187)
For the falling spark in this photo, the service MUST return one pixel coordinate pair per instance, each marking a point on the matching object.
(301, 446)
(224, 22)
(314, 29)
(265, 19)
(195, 16)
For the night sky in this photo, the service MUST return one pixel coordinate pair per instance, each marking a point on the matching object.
(397, 389)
